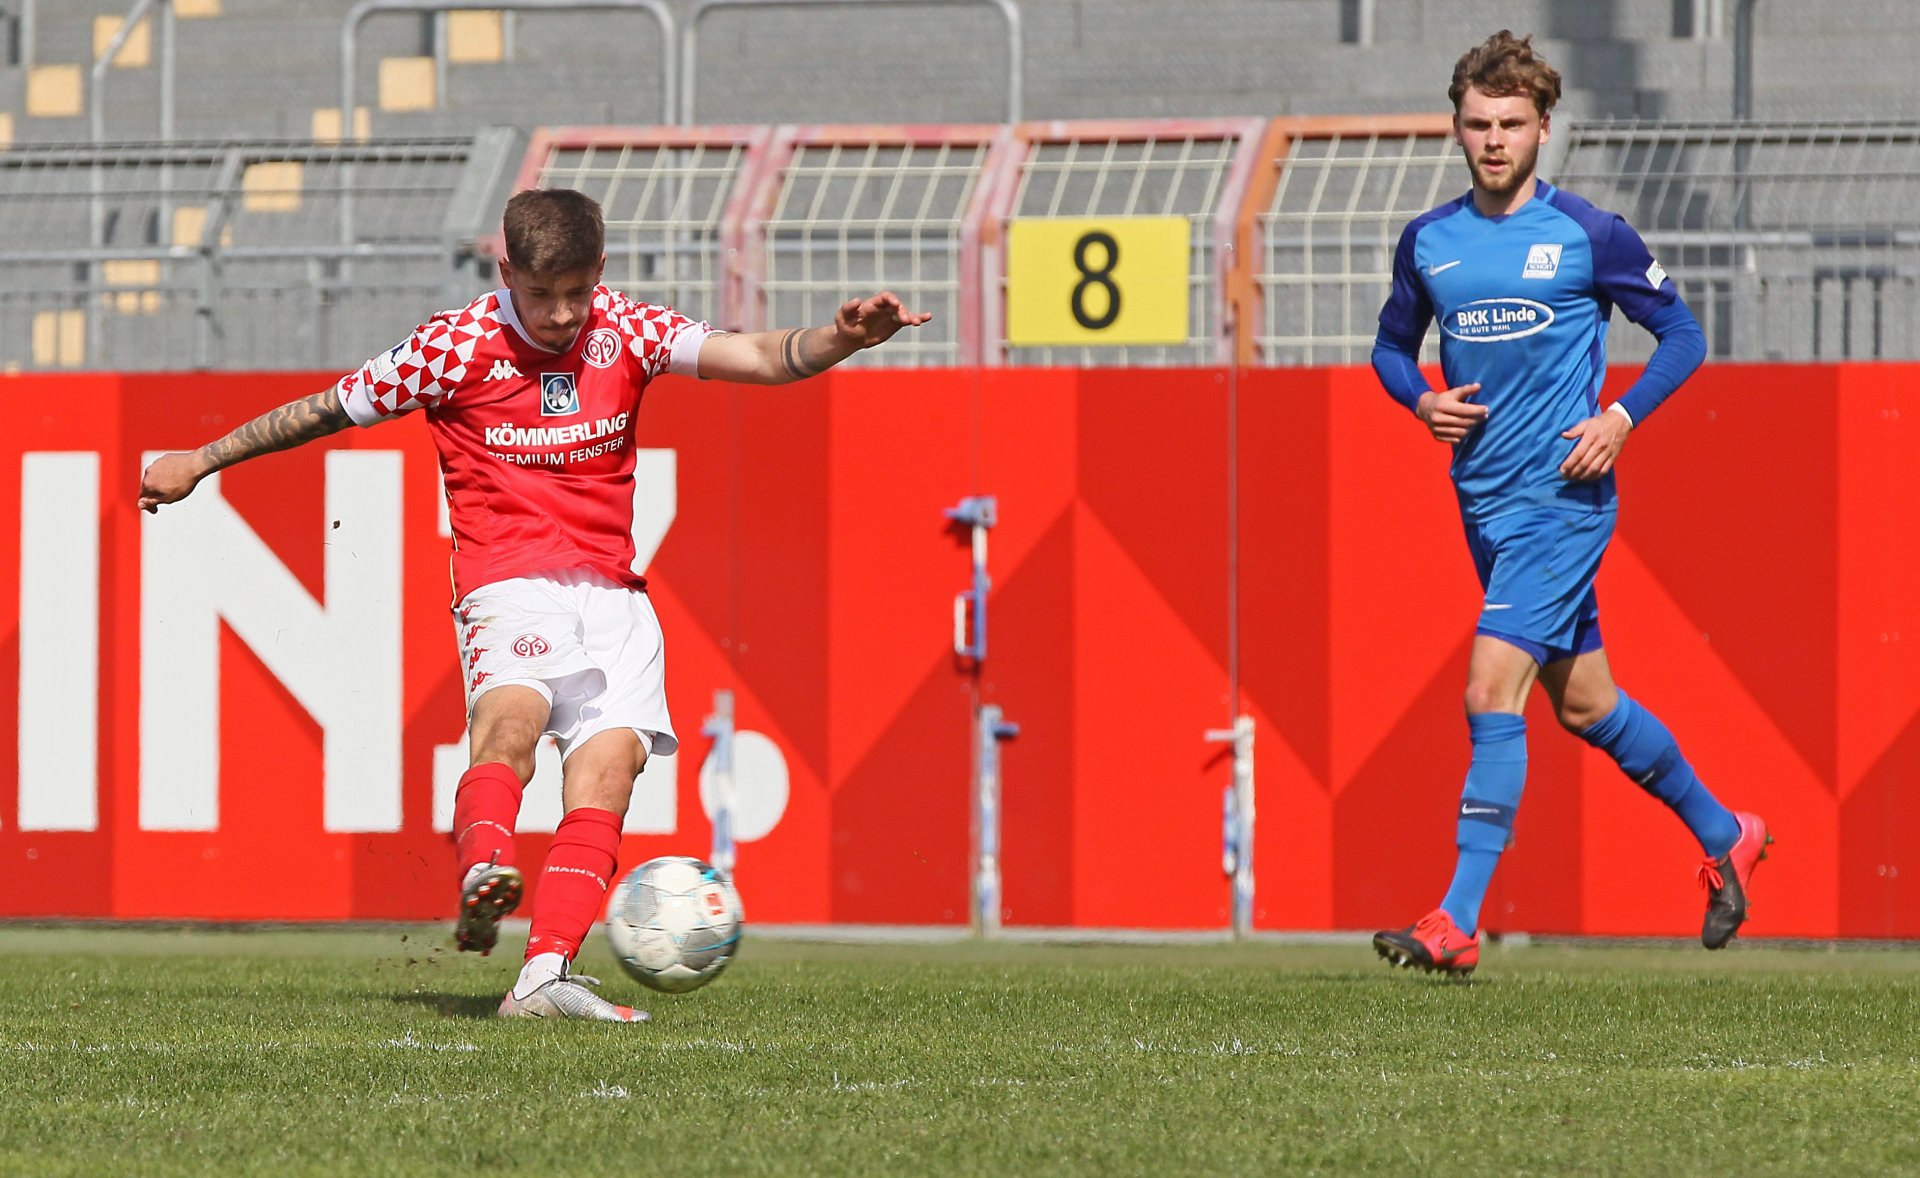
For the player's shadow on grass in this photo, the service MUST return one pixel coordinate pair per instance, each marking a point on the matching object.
(474, 1006)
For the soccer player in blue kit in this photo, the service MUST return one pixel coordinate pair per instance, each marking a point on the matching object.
(1522, 278)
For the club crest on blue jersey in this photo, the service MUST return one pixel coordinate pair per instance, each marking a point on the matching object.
(1487, 321)
(559, 397)
(1543, 260)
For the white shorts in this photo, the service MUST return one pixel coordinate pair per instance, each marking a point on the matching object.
(590, 646)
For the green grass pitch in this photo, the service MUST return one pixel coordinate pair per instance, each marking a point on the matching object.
(370, 1051)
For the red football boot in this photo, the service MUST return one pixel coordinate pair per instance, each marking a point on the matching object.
(1726, 879)
(491, 892)
(1434, 944)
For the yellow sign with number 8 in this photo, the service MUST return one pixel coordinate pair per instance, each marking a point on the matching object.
(1111, 280)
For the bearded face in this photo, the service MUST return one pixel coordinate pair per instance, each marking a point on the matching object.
(1501, 138)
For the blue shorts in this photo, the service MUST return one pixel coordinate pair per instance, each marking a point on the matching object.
(1537, 567)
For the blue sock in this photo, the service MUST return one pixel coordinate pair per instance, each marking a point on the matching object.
(1494, 781)
(1647, 752)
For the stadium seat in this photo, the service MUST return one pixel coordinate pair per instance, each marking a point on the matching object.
(326, 124)
(476, 36)
(271, 187)
(55, 92)
(407, 83)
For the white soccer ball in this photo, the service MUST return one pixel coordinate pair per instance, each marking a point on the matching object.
(674, 923)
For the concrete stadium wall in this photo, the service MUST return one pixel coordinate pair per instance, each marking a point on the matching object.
(264, 67)
(247, 707)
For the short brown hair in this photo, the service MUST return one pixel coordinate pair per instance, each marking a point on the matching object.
(554, 231)
(1504, 65)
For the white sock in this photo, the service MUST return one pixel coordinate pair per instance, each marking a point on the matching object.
(540, 969)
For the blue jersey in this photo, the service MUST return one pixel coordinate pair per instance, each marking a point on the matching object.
(1523, 302)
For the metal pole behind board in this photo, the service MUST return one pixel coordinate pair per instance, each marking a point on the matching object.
(1236, 821)
(719, 729)
(978, 514)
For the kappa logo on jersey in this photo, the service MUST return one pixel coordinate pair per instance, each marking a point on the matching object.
(602, 347)
(503, 370)
(1543, 260)
(559, 397)
(530, 646)
(383, 366)
(1490, 321)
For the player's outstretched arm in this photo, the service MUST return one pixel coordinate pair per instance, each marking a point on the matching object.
(171, 477)
(777, 357)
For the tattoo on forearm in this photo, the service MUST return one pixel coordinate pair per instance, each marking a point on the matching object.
(288, 426)
(796, 364)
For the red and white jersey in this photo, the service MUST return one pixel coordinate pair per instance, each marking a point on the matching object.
(536, 446)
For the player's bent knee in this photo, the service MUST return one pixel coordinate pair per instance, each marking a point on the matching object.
(1482, 698)
(601, 772)
(506, 726)
(522, 764)
(512, 744)
(1580, 710)
(1577, 719)
(605, 789)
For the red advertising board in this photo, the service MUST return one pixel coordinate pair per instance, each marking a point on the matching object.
(247, 706)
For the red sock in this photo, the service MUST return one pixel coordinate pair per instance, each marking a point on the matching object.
(573, 887)
(485, 807)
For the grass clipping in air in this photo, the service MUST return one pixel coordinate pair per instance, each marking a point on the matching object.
(358, 1052)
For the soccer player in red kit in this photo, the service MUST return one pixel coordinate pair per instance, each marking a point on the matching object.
(531, 392)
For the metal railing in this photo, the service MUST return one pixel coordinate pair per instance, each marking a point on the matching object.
(197, 255)
(690, 47)
(678, 65)
(350, 36)
(1790, 241)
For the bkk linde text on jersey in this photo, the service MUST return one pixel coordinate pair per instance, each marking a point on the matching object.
(1495, 316)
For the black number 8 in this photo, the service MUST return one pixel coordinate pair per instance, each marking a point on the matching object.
(1103, 278)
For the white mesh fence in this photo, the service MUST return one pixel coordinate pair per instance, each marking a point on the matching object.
(1791, 242)
(853, 218)
(1328, 239)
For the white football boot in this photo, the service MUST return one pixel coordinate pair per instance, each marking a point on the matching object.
(567, 996)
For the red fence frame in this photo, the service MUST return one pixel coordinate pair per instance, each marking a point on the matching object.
(1261, 152)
